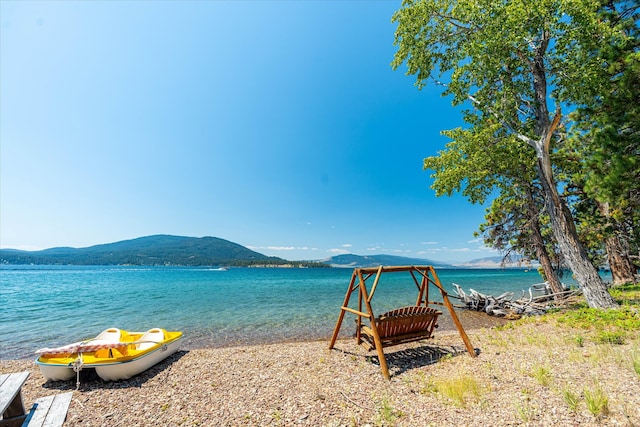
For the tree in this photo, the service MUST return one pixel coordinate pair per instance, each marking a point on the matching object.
(604, 231)
(605, 144)
(477, 170)
(515, 61)
(514, 223)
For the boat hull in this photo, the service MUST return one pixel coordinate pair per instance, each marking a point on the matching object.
(132, 354)
(124, 370)
(56, 372)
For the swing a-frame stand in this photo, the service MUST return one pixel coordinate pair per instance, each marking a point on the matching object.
(399, 326)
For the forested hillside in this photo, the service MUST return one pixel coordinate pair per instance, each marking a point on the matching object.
(150, 251)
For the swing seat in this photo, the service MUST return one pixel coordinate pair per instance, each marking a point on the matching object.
(402, 325)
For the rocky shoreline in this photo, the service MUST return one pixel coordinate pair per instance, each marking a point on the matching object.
(534, 373)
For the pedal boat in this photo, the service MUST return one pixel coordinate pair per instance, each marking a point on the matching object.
(115, 354)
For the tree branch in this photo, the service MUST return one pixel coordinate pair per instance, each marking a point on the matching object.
(520, 136)
(552, 129)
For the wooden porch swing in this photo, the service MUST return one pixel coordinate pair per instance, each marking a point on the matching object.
(399, 326)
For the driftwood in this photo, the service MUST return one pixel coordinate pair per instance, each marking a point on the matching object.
(536, 301)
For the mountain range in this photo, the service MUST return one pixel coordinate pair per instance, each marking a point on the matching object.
(148, 251)
(353, 261)
(204, 251)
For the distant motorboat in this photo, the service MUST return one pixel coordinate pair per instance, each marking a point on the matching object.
(115, 354)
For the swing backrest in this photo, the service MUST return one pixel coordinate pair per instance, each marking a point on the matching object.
(407, 324)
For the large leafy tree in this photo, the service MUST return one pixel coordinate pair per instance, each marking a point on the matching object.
(516, 63)
(477, 170)
(514, 223)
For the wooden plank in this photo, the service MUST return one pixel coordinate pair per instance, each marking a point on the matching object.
(354, 311)
(10, 395)
(374, 270)
(58, 411)
(39, 411)
(374, 330)
(50, 411)
(13, 422)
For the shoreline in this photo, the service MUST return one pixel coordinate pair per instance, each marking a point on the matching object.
(469, 319)
(211, 309)
(520, 376)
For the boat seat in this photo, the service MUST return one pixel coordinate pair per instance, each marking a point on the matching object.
(150, 338)
(110, 335)
(111, 353)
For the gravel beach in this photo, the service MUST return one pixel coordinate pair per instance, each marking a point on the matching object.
(532, 373)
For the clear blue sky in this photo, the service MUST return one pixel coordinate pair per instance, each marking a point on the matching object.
(278, 125)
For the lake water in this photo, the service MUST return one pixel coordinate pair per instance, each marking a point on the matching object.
(46, 306)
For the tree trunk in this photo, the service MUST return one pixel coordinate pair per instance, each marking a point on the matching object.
(542, 254)
(562, 224)
(550, 273)
(622, 269)
(564, 230)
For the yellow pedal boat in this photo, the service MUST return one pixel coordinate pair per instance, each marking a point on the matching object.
(115, 354)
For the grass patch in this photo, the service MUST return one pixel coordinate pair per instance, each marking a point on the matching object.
(524, 408)
(626, 294)
(542, 374)
(597, 402)
(611, 337)
(276, 415)
(387, 414)
(460, 390)
(571, 399)
(602, 326)
(635, 361)
(596, 318)
(525, 411)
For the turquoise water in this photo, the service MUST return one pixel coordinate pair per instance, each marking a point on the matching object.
(45, 306)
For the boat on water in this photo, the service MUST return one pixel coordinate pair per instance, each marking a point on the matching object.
(115, 354)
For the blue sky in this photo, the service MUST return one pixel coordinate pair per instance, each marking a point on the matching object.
(278, 125)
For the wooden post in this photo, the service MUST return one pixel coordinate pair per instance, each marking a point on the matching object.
(453, 314)
(375, 284)
(336, 331)
(374, 328)
(359, 319)
(423, 294)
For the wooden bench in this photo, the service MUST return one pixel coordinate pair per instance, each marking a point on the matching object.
(49, 411)
(400, 326)
(11, 406)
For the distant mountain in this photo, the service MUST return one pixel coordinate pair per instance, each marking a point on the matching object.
(517, 261)
(358, 261)
(148, 251)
